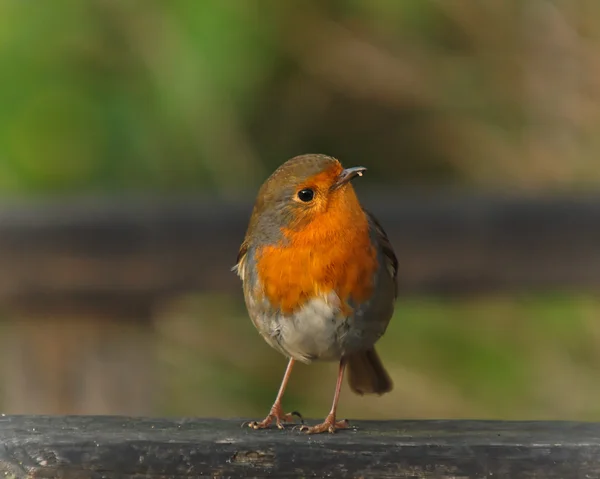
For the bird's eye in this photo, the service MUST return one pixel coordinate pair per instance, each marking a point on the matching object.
(306, 195)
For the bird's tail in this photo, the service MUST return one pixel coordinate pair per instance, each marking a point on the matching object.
(366, 374)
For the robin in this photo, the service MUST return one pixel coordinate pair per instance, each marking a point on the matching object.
(319, 277)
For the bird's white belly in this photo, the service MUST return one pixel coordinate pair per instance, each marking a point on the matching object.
(313, 332)
(316, 331)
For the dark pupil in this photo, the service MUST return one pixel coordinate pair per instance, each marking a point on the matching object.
(306, 195)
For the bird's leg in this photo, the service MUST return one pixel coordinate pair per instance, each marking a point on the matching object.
(276, 413)
(330, 424)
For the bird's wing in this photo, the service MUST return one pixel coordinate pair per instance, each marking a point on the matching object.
(241, 260)
(386, 247)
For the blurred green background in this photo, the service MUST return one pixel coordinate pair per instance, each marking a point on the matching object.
(100, 97)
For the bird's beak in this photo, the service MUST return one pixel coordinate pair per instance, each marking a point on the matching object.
(347, 175)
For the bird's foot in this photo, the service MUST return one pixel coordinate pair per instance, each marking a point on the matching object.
(277, 415)
(329, 425)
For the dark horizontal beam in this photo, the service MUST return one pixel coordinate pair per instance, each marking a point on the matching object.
(105, 251)
(111, 447)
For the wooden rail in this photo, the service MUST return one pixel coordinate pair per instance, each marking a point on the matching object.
(80, 279)
(130, 251)
(122, 447)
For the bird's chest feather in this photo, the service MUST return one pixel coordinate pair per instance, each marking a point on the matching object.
(313, 265)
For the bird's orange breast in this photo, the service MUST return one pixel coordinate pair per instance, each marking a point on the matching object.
(333, 252)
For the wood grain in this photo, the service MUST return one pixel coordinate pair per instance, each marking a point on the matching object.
(124, 447)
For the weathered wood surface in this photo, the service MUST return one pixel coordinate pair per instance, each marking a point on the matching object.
(128, 253)
(111, 447)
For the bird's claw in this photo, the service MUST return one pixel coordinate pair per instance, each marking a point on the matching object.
(298, 415)
(330, 425)
(252, 424)
(279, 418)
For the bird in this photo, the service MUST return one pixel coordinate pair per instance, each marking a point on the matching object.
(319, 277)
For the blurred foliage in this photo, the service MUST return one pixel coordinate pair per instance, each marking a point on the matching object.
(102, 96)
(146, 95)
